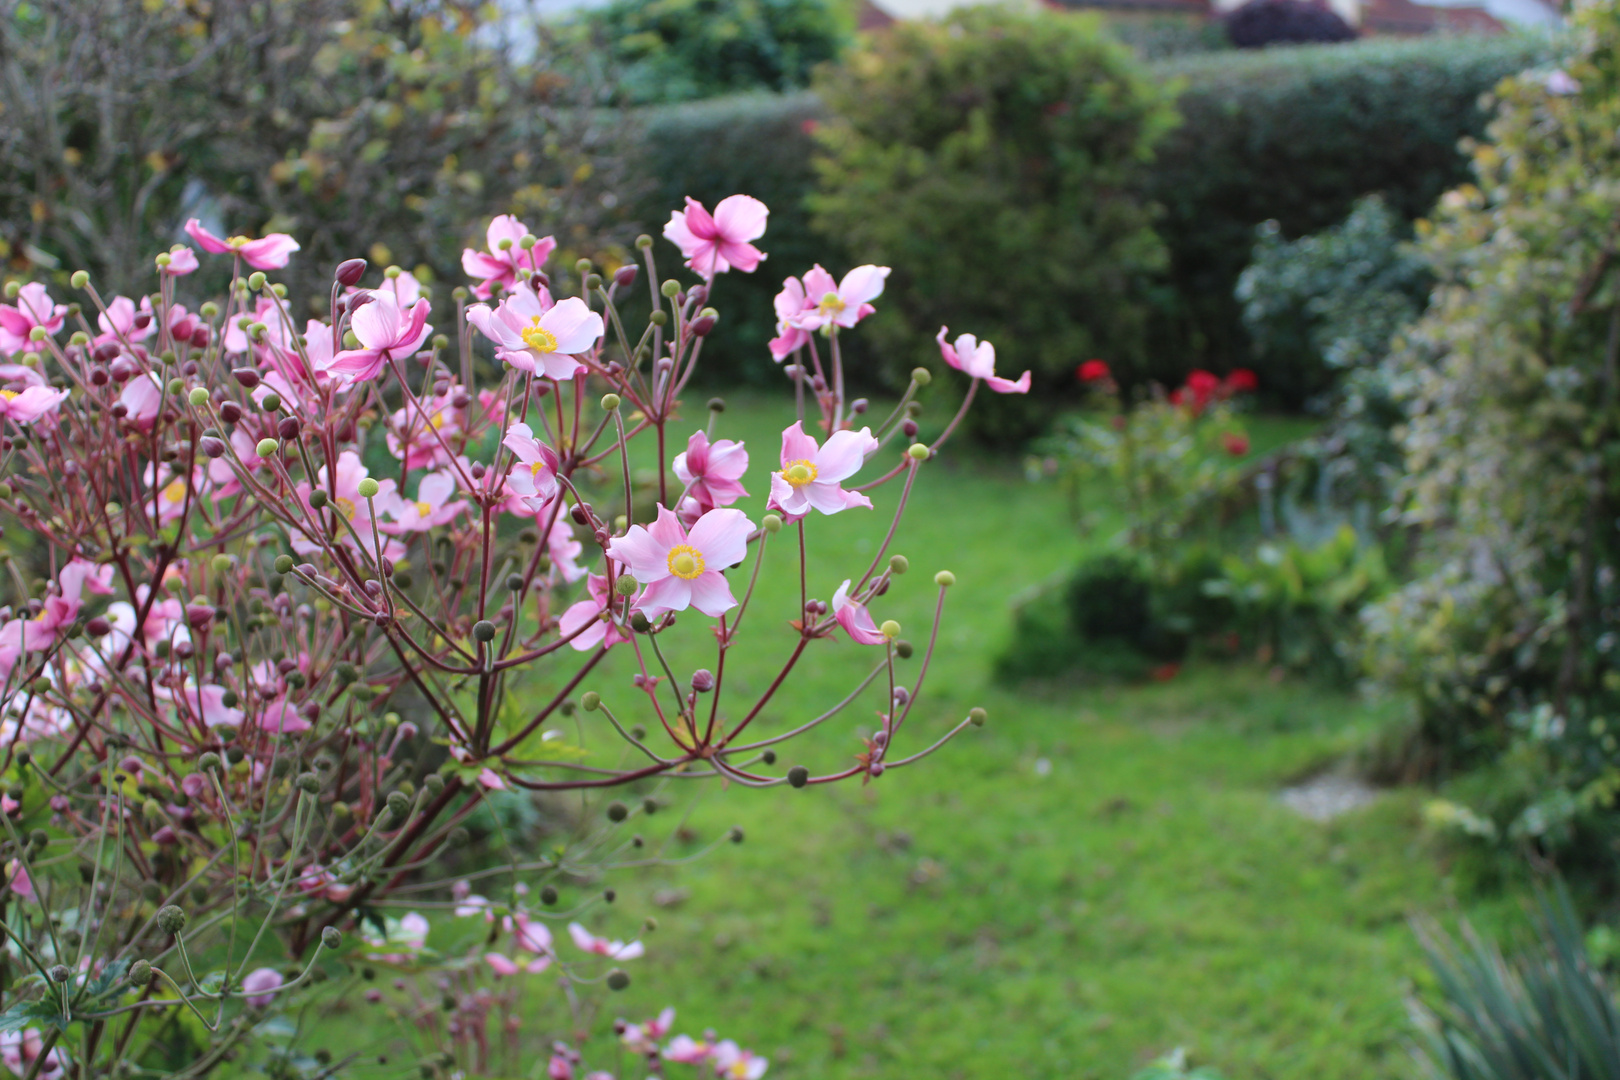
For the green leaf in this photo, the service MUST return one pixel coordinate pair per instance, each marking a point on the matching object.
(43, 1012)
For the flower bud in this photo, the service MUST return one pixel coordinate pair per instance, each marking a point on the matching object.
(703, 680)
(670, 288)
(349, 272)
(270, 402)
(208, 762)
(283, 564)
(176, 387)
(944, 579)
(434, 784)
(617, 980)
(79, 279)
(978, 716)
(921, 376)
(639, 622)
(309, 783)
(230, 412)
(771, 523)
(768, 757)
(331, 937)
(704, 323)
(625, 276)
(908, 427)
(590, 701)
(548, 895)
(140, 973)
(625, 585)
(267, 447)
(256, 280)
(60, 973)
(367, 488)
(211, 446)
(318, 499)
(644, 241)
(170, 919)
(610, 402)
(399, 803)
(890, 629)
(798, 776)
(289, 427)
(617, 811)
(484, 630)
(918, 452)
(735, 835)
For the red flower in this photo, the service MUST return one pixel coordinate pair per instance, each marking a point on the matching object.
(1093, 370)
(1240, 381)
(1164, 672)
(1203, 386)
(1235, 442)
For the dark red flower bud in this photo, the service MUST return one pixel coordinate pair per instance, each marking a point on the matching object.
(211, 446)
(247, 377)
(142, 320)
(625, 276)
(701, 326)
(289, 427)
(703, 680)
(199, 615)
(98, 626)
(199, 337)
(99, 376)
(349, 272)
(107, 352)
(909, 427)
(698, 294)
(182, 329)
(230, 412)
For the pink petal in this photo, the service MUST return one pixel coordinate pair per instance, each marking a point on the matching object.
(863, 285)
(797, 446)
(578, 615)
(181, 262)
(478, 264)
(583, 938)
(500, 964)
(670, 593)
(505, 227)
(377, 324)
(205, 239)
(722, 538)
(1007, 386)
(677, 233)
(666, 529)
(745, 257)
(647, 559)
(269, 252)
(817, 284)
(575, 326)
(711, 593)
(790, 500)
(844, 455)
(740, 218)
(830, 498)
(946, 351)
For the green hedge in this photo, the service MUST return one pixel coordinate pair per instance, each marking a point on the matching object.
(1296, 134)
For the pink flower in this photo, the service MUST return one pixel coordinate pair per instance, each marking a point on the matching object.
(592, 610)
(733, 1063)
(714, 244)
(559, 1068)
(615, 950)
(1561, 83)
(711, 471)
(430, 509)
(855, 619)
(124, 323)
(267, 253)
(281, 717)
(978, 359)
(409, 934)
(30, 404)
(845, 303)
(682, 569)
(791, 302)
(33, 308)
(532, 334)
(504, 966)
(259, 981)
(686, 1050)
(811, 476)
(533, 479)
(528, 935)
(345, 499)
(18, 880)
(564, 549)
(182, 261)
(411, 431)
(385, 332)
(640, 1037)
(500, 264)
(142, 397)
(208, 705)
(19, 1051)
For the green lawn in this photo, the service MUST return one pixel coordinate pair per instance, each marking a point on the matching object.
(1099, 875)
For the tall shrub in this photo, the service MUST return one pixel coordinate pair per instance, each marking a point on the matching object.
(1512, 391)
(995, 160)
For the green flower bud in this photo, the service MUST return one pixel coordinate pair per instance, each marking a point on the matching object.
(198, 397)
(170, 919)
(890, 629)
(945, 579)
(644, 241)
(898, 564)
(318, 499)
(670, 288)
(921, 376)
(610, 402)
(79, 279)
(590, 701)
(140, 973)
(903, 649)
(284, 564)
(625, 585)
(309, 783)
(978, 716)
(434, 784)
(176, 387)
(548, 895)
(256, 280)
(221, 563)
(60, 973)
(735, 835)
(798, 776)
(267, 447)
(617, 980)
(717, 405)
(399, 803)
(37, 333)
(208, 762)
(12, 289)
(368, 488)
(271, 402)
(617, 811)
(484, 630)
(331, 937)
(659, 317)
(771, 523)
(918, 451)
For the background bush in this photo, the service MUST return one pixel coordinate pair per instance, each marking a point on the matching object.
(1285, 22)
(994, 160)
(683, 50)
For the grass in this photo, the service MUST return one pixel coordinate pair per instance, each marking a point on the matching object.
(1099, 875)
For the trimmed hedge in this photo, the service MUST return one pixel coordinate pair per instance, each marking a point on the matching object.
(1334, 122)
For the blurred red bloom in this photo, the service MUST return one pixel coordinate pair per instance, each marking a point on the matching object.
(1241, 381)
(1093, 370)
(1203, 386)
(1164, 672)
(1235, 442)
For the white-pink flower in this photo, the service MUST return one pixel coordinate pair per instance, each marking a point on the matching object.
(533, 478)
(731, 1062)
(683, 569)
(182, 261)
(591, 613)
(533, 334)
(711, 471)
(386, 331)
(640, 1037)
(499, 265)
(141, 398)
(839, 303)
(685, 1050)
(978, 358)
(715, 243)
(26, 406)
(503, 965)
(790, 303)
(207, 706)
(614, 950)
(124, 323)
(855, 619)
(34, 307)
(811, 477)
(258, 982)
(430, 509)
(269, 252)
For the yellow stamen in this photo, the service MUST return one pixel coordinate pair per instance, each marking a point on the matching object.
(175, 493)
(539, 338)
(831, 304)
(424, 509)
(799, 473)
(437, 420)
(685, 561)
(8, 394)
(345, 507)
(238, 241)
(536, 469)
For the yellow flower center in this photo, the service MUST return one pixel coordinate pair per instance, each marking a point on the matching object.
(437, 420)
(175, 493)
(424, 509)
(832, 304)
(345, 507)
(685, 561)
(799, 473)
(8, 394)
(539, 338)
(238, 241)
(537, 469)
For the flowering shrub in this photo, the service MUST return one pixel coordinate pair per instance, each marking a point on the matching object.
(292, 599)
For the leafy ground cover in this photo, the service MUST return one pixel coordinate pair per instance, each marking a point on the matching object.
(1101, 874)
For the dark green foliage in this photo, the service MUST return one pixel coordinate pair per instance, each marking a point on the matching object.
(1297, 135)
(1546, 1013)
(757, 145)
(684, 50)
(995, 161)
